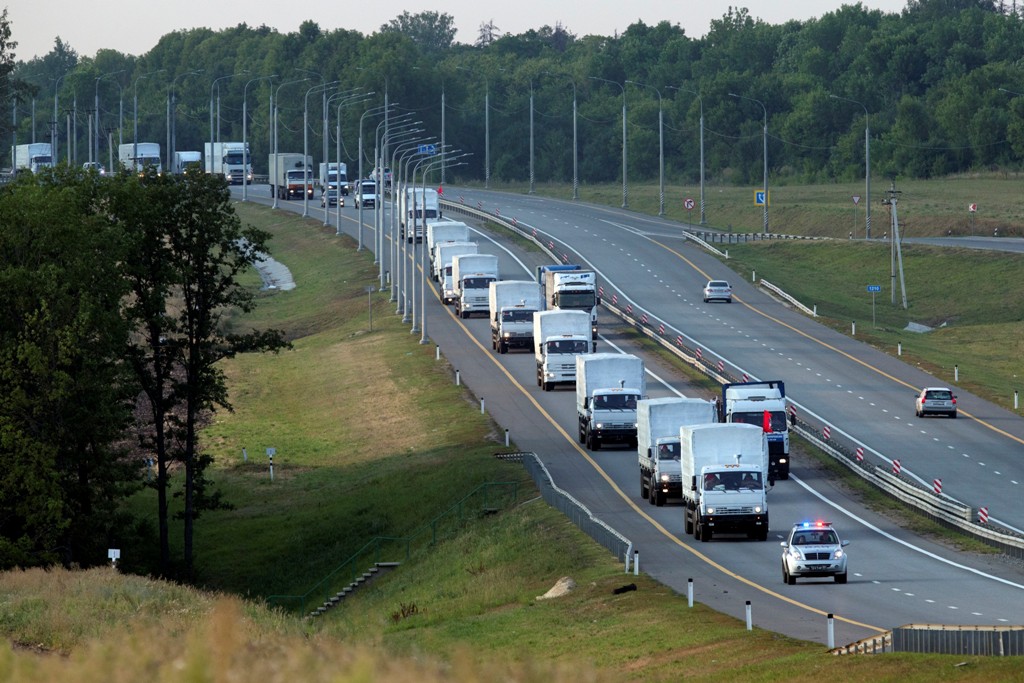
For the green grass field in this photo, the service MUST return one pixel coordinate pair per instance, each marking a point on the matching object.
(374, 439)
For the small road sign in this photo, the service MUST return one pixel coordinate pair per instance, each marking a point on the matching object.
(874, 288)
(689, 203)
(760, 198)
(856, 199)
(972, 208)
(428, 149)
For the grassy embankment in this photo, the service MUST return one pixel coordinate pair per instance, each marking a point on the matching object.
(373, 438)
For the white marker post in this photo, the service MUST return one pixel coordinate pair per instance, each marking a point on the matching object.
(270, 454)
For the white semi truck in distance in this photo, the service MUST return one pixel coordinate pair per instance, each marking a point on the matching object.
(183, 160)
(472, 275)
(511, 307)
(558, 337)
(725, 477)
(569, 287)
(334, 176)
(32, 157)
(139, 158)
(231, 160)
(419, 206)
(657, 428)
(608, 387)
(291, 175)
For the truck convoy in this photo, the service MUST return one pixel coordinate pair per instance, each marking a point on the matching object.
(417, 206)
(442, 265)
(724, 469)
(33, 157)
(569, 287)
(230, 160)
(472, 275)
(762, 404)
(182, 160)
(558, 337)
(512, 305)
(291, 175)
(443, 231)
(334, 176)
(138, 158)
(608, 387)
(657, 427)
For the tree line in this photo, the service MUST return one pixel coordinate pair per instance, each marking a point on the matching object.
(936, 86)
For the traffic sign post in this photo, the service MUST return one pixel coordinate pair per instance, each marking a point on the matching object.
(973, 208)
(856, 202)
(688, 204)
(874, 289)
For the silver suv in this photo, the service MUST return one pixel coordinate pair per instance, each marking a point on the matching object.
(813, 549)
(936, 400)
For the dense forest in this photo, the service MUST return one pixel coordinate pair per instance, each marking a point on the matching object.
(937, 87)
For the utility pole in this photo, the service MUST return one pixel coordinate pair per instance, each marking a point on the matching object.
(896, 257)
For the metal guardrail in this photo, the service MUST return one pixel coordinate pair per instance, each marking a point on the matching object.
(943, 639)
(939, 507)
(576, 511)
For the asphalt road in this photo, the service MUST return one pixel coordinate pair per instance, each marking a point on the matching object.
(895, 578)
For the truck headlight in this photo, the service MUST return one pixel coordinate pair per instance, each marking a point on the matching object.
(665, 478)
(711, 510)
(757, 509)
(600, 425)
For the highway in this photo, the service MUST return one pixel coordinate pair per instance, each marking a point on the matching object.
(895, 577)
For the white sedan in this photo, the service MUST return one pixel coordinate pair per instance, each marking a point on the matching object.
(718, 290)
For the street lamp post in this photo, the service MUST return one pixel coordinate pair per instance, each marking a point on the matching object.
(95, 146)
(378, 242)
(346, 99)
(867, 165)
(575, 140)
(171, 111)
(305, 141)
(764, 153)
(209, 157)
(625, 181)
(661, 149)
(273, 109)
(245, 129)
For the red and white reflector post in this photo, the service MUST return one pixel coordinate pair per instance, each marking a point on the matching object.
(983, 515)
(896, 467)
(937, 486)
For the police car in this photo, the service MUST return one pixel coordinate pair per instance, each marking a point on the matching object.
(813, 549)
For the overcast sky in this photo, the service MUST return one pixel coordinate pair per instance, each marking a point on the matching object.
(134, 26)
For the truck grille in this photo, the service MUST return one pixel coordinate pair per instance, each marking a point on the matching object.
(734, 510)
(621, 426)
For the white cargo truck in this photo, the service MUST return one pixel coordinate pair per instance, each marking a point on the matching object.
(417, 206)
(442, 265)
(138, 157)
(183, 160)
(291, 175)
(230, 160)
(558, 337)
(762, 404)
(472, 275)
(33, 157)
(608, 386)
(570, 288)
(442, 231)
(511, 306)
(333, 176)
(657, 428)
(725, 475)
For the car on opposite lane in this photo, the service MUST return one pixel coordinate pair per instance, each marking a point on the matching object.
(935, 401)
(813, 549)
(718, 290)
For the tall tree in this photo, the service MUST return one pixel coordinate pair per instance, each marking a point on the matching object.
(431, 31)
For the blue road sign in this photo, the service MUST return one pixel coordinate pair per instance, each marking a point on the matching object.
(428, 149)
(874, 288)
(759, 198)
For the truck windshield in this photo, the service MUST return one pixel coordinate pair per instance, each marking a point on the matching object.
(574, 300)
(615, 402)
(778, 418)
(568, 346)
(517, 315)
(749, 480)
(234, 158)
(668, 451)
(476, 282)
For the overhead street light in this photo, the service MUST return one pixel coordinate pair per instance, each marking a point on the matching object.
(625, 181)
(245, 130)
(765, 154)
(701, 100)
(661, 149)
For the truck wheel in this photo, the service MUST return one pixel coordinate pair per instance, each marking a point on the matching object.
(705, 533)
(502, 347)
(652, 492)
(659, 498)
(688, 523)
(547, 386)
(643, 486)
